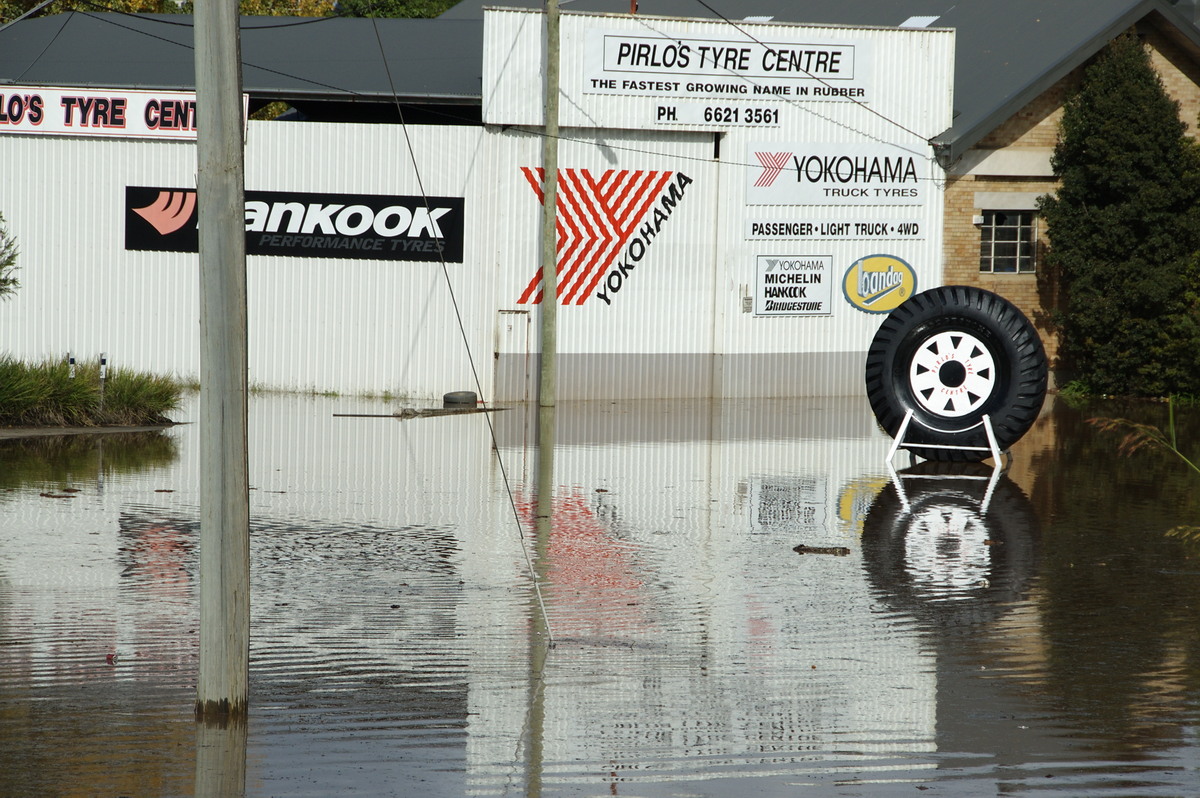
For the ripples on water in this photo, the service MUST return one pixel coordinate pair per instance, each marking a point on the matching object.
(1029, 635)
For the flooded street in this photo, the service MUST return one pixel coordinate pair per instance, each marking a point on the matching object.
(945, 630)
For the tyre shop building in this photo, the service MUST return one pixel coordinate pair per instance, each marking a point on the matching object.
(688, 265)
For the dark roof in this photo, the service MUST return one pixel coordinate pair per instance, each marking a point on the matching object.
(1008, 51)
(295, 59)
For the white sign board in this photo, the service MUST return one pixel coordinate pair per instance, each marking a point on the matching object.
(108, 113)
(648, 73)
(828, 208)
(654, 64)
(794, 285)
(815, 173)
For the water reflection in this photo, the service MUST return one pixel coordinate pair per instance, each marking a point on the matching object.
(220, 759)
(1029, 633)
(63, 462)
(88, 677)
(951, 543)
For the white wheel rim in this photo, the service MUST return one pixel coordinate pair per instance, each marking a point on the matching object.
(946, 553)
(952, 374)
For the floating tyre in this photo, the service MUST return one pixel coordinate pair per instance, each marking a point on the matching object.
(950, 357)
(459, 399)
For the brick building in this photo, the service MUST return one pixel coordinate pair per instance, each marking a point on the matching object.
(993, 238)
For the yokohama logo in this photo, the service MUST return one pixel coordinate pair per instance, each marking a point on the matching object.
(605, 225)
(772, 163)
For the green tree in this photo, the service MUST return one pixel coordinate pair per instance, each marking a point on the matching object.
(8, 262)
(11, 9)
(394, 8)
(1124, 230)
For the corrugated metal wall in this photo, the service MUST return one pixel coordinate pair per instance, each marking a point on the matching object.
(357, 326)
(80, 290)
(325, 324)
(904, 78)
(369, 325)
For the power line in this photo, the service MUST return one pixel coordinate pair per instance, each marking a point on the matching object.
(537, 587)
(394, 97)
(817, 78)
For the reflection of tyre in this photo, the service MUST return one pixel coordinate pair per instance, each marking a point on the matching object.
(947, 560)
(952, 355)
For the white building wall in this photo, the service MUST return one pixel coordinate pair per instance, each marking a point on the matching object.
(80, 290)
(897, 95)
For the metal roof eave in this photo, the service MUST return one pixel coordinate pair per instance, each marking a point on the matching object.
(365, 97)
(950, 145)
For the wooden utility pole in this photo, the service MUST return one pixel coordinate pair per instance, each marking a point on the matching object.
(222, 687)
(548, 384)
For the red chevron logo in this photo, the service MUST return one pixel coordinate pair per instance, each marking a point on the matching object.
(596, 216)
(772, 163)
(170, 211)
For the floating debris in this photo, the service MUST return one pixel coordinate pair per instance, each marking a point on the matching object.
(417, 412)
(838, 551)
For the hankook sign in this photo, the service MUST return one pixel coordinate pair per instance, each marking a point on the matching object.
(306, 225)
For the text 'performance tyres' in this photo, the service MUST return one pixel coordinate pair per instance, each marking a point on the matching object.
(952, 355)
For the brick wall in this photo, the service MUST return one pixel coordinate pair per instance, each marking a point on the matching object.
(1029, 292)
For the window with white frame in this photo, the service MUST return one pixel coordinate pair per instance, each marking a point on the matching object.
(1008, 242)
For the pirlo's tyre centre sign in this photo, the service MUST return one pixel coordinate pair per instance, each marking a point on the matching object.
(827, 200)
(303, 224)
(105, 113)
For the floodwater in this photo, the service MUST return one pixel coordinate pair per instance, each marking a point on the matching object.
(1031, 633)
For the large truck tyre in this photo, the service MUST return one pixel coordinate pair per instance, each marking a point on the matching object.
(953, 355)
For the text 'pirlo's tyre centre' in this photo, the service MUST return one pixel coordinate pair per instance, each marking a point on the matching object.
(953, 355)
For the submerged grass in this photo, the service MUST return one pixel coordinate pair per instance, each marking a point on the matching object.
(1138, 436)
(47, 395)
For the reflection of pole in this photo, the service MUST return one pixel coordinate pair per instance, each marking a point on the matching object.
(221, 759)
(548, 386)
(222, 684)
(540, 632)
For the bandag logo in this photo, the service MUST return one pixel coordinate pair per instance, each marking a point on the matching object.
(879, 283)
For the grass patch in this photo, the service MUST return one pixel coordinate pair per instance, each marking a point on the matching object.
(47, 395)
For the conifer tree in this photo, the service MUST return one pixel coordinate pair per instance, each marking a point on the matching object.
(1124, 230)
(8, 261)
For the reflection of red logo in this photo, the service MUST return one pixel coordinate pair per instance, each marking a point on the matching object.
(593, 579)
(596, 217)
(772, 164)
(170, 211)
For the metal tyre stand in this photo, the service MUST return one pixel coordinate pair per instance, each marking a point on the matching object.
(1000, 461)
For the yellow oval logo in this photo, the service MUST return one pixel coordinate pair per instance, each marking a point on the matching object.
(879, 283)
